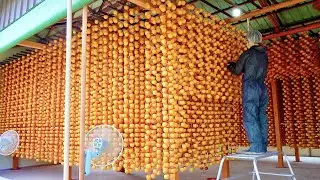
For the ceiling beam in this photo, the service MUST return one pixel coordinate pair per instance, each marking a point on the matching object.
(275, 13)
(31, 44)
(278, 11)
(295, 24)
(216, 8)
(265, 10)
(293, 31)
(144, 4)
(272, 17)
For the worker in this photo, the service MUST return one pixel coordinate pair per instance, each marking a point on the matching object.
(253, 64)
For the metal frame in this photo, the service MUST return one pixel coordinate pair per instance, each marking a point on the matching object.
(255, 172)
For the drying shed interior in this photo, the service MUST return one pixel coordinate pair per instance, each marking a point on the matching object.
(156, 71)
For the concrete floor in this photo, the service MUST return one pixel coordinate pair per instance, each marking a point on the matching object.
(308, 169)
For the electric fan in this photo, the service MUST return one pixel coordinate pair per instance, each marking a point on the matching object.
(9, 142)
(103, 146)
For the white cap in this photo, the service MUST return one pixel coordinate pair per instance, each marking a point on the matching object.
(254, 36)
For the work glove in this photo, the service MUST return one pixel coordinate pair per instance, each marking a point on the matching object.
(231, 65)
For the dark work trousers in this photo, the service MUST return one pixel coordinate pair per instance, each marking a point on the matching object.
(254, 103)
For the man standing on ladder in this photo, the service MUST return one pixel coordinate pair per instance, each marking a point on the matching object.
(253, 64)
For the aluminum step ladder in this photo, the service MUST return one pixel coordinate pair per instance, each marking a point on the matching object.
(254, 158)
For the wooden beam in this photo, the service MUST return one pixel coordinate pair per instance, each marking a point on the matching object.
(272, 17)
(297, 154)
(70, 172)
(83, 91)
(226, 169)
(104, 5)
(15, 163)
(293, 31)
(31, 44)
(292, 25)
(276, 110)
(176, 176)
(278, 11)
(67, 89)
(144, 4)
(265, 10)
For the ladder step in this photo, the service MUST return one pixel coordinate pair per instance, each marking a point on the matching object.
(275, 174)
(255, 158)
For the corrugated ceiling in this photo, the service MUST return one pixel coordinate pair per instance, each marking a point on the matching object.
(304, 13)
(11, 10)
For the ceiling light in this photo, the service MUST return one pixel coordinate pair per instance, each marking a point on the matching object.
(236, 12)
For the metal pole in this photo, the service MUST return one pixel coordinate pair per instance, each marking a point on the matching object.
(83, 91)
(67, 93)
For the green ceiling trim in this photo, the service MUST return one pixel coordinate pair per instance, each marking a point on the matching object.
(42, 16)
